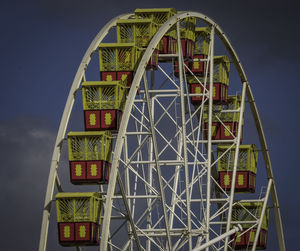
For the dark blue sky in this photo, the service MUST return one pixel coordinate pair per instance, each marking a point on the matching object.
(42, 43)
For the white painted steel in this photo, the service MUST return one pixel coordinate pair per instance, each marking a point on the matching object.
(236, 156)
(209, 136)
(135, 84)
(151, 162)
(183, 127)
(158, 170)
(221, 237)
(129, 216)
(263, 210)
(153, 194)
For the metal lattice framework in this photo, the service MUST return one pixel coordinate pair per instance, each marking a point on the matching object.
(163, 191)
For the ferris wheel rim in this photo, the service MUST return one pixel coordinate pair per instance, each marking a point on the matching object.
(78, 79)
(63, 127)
(129, 103)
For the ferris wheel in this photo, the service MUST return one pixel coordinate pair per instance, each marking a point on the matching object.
(164, 152)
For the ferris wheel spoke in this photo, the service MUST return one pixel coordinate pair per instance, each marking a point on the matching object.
(235, 164)
(141, 113)
(184, 143)
(129, 216)
(146, 235)
(140, 122)
(165, 111)
(157, 166)
(137, 151)
(220, 211)
(168, 77)
(139, 154)
(168, 143)
(141, 178)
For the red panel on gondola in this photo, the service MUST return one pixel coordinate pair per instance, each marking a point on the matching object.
(168, 45)
(165, 43)
(196, 89)
(108, 76)
(122, 75)
(89, 172)
(240, 241)
(187, 47)
(83, 231)
(94, 170)
(172, 46)
(153, 61)
(221, 133)
(86, 233)
(242, 180)
(78, 233)
(197, 67)
(176, 68)
(245, 181)
(232, 127)
(66, 233)
(219, 93)
(246, 240)
(77, 171)
(184, 47)
(262, 239)
(92, 120)
(215, 130)
(110, 119)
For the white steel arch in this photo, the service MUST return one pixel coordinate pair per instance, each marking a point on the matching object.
(119, 146)
(129, 104)
(63, 127)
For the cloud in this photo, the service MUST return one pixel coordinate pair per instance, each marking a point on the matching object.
(264, 36)
(26, 147)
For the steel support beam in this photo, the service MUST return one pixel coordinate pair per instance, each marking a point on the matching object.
(141, 68)
(130, 99)
(219, 238)
(209, 136)
(183, 126)
(157, 166)
(236, 157)
(263, 210)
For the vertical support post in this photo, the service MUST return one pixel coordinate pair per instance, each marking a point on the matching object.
(185, 157)
(209, 143)
(127, 183)
(236, 156)
(127, 179)
(177, 170)
(263, 210)
(130, 217)
(150, 170)
(176, 180)
(158, 170)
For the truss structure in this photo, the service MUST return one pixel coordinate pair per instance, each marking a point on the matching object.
(163, 191)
